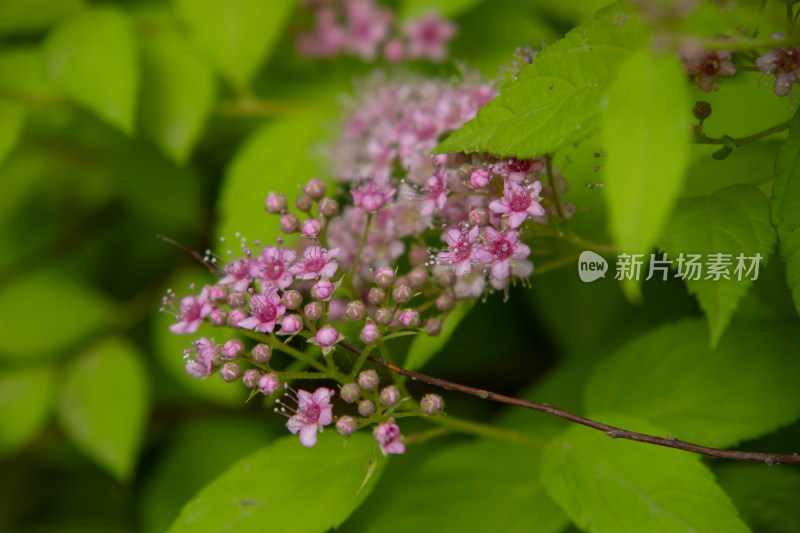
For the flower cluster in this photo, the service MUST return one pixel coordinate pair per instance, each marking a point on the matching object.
(365, 29)
(784, 63)
(707, 66)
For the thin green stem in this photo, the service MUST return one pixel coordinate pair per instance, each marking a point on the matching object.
(551, 179)
(749, 44)
(732, 142)
(360, 361)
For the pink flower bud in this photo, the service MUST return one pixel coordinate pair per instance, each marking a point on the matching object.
(197, 369)
(479, 217)
(417, 278)
(401, 293)
(230, 372)
(370, 334)
(328, 207)
(447, 278)
(261, 353)
(311, 228)
(275, 203)
(393, 51)
(376, 296)
(390, 396)
(368, 380)
(346, 425)
(269, 383)
(315, 189)
(314, 311)
(480, 179)
(218, 293)
(237, 299)
(218, 317)
(431, 404)
(445, 301)
(323, 289)
(355, 310)
(289, 223)
(433, 327)
(326, 338)
(384, 277)
(292, 299)
(350, 392)
(409, 318)
(388, 437)
(251, 377)
(384, 315)
(232, 349)
(366, 408)
(291, 324)
(303, 202)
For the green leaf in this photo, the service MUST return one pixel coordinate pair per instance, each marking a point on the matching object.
(287, 487)
(607, 485)
(493, 486)
(177, 93)
(23, 16)
(786, 207)
(12, 118)
(80, 309)
(749, 164)
(410, 9)
(25, 401)
(670, 377)
(22, 74)
(92, 58)
(103, 405)
(766, 497)
(236, 35)
(277, 157)
(732, 221)
(646, 136)
(556, 100)
(423, 347)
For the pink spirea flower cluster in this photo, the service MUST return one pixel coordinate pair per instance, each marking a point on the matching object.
(707, 66)
(366, 29)
(784, 64)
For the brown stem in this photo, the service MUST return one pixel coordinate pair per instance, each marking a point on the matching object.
(611, 431)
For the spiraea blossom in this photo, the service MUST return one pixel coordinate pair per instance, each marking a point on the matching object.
(313, 412)
(784, 63)
(707, 66)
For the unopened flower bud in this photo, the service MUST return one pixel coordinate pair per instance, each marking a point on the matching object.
(366, 408)
(232, 349)
(702, 110)
(328, 207)
(323, 289)
(311, 228)
(292, 299)
(393, 51)
(370, 334)
(327, 336)
(480, 179)
(303, 202)
(350, 392)
(315, 189)
(237, 299)
(465, 171)
(479, 217)
(384, 277)
(368, 380)
(355, 310)
(218, 317)
(230, 372)
(346, 425)
(433, 326)
(291, 324)
(431, 404)
(445, 301)
(447, 278)
(390, 396)
(417, 278)
(401, 293)
(218, 293)
(409, 318)
(384, 315)
(261, 353)
(289, 223)
(314, 311)
(275, 203)
(269, 383)
(376, 296)
(251, 377)
(197, 369)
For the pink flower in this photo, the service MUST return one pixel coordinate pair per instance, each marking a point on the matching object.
(311, 228)
(520, 202)
(435, 192)
(273, 267)
(515, 169)
(460, 249)
(326, 338)
(429, 36)
(500, 250)
(192, 311)
(708, 66)
(266, 309)
(784, 63)
(371, 196)
(388, 437)
(238, 274)
(367, 27)
(313, 412)
(202, 358)
(328, 38)
(317, 261)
